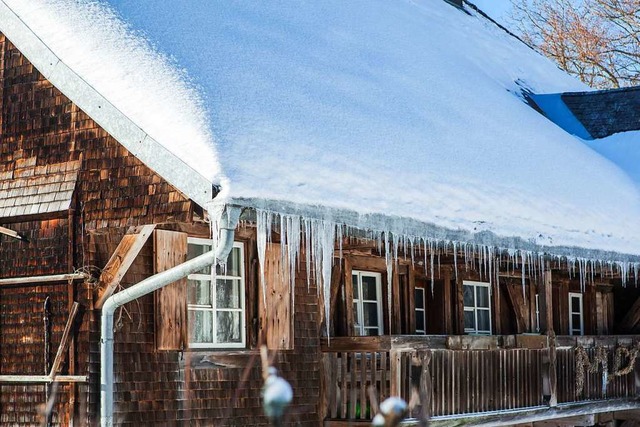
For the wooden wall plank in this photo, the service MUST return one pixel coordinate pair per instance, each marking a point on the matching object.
(276, 317)
(170, 249)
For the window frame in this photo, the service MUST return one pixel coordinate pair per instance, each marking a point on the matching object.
(571, 313)
(475, 308)
(359, 328)
(423, 330)
(212, 308)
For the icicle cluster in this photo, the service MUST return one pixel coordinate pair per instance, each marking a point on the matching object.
(321, 236)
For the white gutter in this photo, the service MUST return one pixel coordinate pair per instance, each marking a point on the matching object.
(225, 244)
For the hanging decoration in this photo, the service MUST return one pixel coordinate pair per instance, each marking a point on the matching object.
(622, 354)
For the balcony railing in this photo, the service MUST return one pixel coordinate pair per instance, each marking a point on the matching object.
(460, 375)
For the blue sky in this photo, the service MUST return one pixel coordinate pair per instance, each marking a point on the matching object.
(497, 9)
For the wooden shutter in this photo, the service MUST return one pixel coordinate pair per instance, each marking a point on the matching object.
(170, 249)
(276, 316)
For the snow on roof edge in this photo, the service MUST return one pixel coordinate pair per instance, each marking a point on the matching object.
(409, 227)
(103, 112)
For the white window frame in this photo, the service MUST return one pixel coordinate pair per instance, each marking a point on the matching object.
(572, 328)
(213, 290)
(475, 307)
(423, 330)
(358, 315)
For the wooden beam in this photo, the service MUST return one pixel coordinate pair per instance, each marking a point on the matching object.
(37, 280)
(35, 379)
(64, 341)
(632, 317)
(633, 415)
(119, 263)
(527, 415)
(446, 302)
(518, 303)
(348, 296)
(581, 420)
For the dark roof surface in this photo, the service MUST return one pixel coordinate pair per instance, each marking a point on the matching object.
(606, 112)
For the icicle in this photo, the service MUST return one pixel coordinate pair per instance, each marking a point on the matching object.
(389, 262)
(523, 275)
(262, 218)
(431, 256)
(307, 244)
(455, 260)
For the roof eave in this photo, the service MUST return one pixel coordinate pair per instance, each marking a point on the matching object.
(110, 118)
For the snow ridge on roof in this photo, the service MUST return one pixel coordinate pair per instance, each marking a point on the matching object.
(406, 109)
(120, 64)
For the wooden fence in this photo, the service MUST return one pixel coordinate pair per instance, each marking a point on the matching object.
(447, 376)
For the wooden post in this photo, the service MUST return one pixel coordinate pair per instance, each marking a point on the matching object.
(396, 372)
(348, 296)
(425, 388)
(553, 379)
(636, 372)
(459, 305)
(446, 301)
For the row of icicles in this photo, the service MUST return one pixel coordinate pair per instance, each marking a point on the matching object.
(320, 238)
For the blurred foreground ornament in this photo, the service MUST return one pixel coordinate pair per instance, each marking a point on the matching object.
(277, 393)
(392, 411)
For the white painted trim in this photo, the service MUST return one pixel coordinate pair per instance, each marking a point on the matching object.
(117, 124)
(241, 310)
(359, 300)
(571, 313)
(475, 307)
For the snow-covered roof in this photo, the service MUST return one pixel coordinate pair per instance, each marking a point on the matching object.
(409, 112)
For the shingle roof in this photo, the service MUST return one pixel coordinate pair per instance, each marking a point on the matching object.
(30, 189)
(606, 112)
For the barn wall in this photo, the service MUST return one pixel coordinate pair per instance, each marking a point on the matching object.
(40, 127)
(114, 191)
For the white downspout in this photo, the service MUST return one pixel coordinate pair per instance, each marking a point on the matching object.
(225, 244)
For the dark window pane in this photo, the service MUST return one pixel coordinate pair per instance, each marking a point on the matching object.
(483, 320)
(575, 305)
(228, 294)
(370, 311)
(232, 267)
(469, 320)
(468, 295)
(419, 296)
(354, 282)
(575, 319)
(482, 296)
(372, 331)
(228, 326)
(194, 250)
(369, 289)
(356, 315)
(420, 320)
(200, 326)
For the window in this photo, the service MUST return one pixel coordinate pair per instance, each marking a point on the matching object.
(367, 303)
(421, 322)
(216, 308)
(576, 321)
(477, 307)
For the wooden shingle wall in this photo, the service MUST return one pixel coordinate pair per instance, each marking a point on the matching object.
(113, 191)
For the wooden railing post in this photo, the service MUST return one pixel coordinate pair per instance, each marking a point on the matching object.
(396, 372)
(425, 388)
(553, 378)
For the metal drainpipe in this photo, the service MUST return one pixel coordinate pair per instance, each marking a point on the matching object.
(155, 282)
